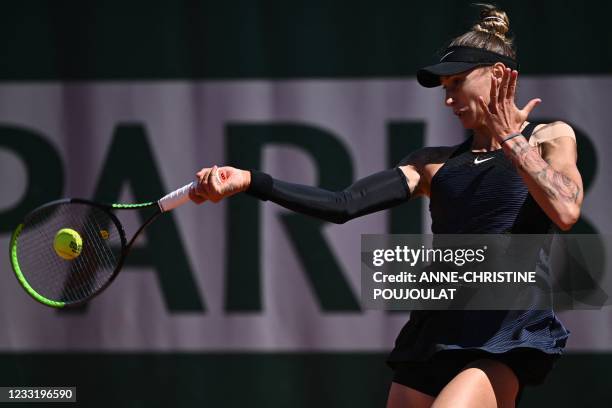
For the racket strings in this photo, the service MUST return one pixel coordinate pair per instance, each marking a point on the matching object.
(96, 260)
(68, 280)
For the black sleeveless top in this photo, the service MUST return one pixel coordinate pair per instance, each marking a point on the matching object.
(486, 193)
(481, 193)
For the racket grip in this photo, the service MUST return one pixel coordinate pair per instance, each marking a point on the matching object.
(176, 198)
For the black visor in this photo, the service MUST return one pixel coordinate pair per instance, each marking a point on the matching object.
(460, 59)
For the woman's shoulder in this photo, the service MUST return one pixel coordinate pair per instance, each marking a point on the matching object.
(422, 164)
(550, 132)
(428, 155)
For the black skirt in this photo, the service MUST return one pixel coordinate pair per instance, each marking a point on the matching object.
(531, 366)
(434, 346)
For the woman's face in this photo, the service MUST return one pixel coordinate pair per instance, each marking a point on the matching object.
(462, 91)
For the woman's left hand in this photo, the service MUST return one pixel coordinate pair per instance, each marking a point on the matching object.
(502, 116)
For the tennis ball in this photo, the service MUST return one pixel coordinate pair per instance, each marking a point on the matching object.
(67, 243)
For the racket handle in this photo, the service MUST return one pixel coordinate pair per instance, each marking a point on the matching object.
(176, 198)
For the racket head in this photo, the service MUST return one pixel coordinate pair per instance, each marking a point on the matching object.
(58, 282)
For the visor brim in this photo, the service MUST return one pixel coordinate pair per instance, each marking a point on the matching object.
(429, 77)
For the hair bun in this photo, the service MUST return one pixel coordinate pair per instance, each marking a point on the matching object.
(493, 21)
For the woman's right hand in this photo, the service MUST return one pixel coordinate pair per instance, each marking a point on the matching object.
(216, 183)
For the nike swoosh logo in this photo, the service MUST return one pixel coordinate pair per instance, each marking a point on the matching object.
(476, 161)
(446, 55)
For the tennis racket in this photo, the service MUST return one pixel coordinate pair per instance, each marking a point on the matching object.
(67, 251)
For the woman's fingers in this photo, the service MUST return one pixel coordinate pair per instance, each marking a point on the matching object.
(526, 111)
(213, 186)
(195, 196)
(512, 85)
(216, 183)
(501, 113)
(203, 173)
(198, 193)
(205, 189)
(493, 96)
(223, 174)
(503, 86)
(484, 106)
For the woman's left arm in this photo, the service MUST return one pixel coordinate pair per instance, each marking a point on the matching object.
(552, 176)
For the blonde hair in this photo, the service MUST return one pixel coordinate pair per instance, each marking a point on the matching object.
(489, 32)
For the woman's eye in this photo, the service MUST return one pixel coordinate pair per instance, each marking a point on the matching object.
(453, 83)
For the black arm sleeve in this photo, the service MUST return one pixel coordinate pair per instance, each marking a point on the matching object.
(377, 192)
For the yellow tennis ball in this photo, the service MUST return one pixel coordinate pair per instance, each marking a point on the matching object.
(67, 243)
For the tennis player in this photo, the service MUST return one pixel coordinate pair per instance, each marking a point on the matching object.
(510, 175)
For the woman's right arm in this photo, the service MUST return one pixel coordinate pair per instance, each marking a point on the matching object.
(376, 192)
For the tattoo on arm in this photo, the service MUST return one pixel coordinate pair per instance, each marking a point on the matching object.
(556, 185)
